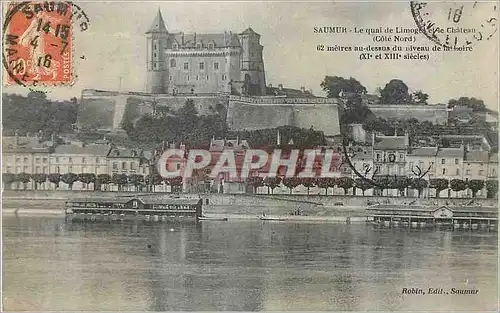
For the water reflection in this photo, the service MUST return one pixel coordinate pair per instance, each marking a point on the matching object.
(161, 266)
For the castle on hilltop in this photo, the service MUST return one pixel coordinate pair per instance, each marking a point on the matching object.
(211, 70)
(204, 63)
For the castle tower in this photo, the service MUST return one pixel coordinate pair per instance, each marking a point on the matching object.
(252, 63)
(157, 70)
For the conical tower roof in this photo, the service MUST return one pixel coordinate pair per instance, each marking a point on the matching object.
(158, 25)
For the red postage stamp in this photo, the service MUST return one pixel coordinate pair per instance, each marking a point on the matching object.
(38, 43)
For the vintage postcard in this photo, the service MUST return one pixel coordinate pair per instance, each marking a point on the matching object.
(250, 156)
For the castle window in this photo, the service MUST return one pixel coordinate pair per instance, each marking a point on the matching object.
(223, 77)
(198, 46)
(216, 65)
(175, 46)
(207, 77)
(154, 46)
(197, 77)
(172, 63)
(155, 66)
(202, 66)
(186, 66)
(210, 46)
(154, 54)
(187, 78)
(170, 77)
(444, 171)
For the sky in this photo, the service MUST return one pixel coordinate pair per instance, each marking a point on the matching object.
(111, 54)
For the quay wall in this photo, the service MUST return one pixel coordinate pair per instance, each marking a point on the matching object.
(239, 204)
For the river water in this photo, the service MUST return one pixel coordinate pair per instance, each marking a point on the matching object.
(50, 264)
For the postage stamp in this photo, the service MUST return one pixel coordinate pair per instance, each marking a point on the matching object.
(38, 43)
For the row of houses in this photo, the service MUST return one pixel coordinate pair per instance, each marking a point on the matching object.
(32, 155)
(386, 155)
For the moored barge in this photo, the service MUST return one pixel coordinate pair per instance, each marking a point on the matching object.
(134, 208)
(417, 216)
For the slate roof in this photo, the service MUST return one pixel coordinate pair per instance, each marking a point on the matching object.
(119, 152)
(390, 143)
(451, 152)
(423, 151)
(158, 24)
(220, 40)
(90, 149)
(477, 156)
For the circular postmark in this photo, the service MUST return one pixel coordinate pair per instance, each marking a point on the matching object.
(38, 42)
(456, 25)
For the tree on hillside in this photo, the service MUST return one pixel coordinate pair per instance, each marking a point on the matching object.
(419, 97)
(333, 85)
(69, 179)
(473, 103)
(475, 185)
(55, 178)
(175, 183)
(395, 92)
(355, 111)
(439, 184)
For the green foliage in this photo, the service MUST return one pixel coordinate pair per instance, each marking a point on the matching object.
(39, 178)
(475, 104)
(457, 185)
(345, 183)
(291, 182)
(420, 97)
(475, 185)
(103, 179)
(255, 182)
(308, 182)
(69, 179)
(182, 126)
(363, 184)
(395, 92)
(34, 113)
(55, 178)
(326, 182)
(439, 184)
(24, 178)
(119, 180)
(355, 111)
(418, 184)
(86, 178)
(272, 182)
(492, 188)
(9, 178)
(333, 85)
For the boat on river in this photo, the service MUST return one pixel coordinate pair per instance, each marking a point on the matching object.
(211, 218)
(157, 208)
(468, 216)
(269, 218)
